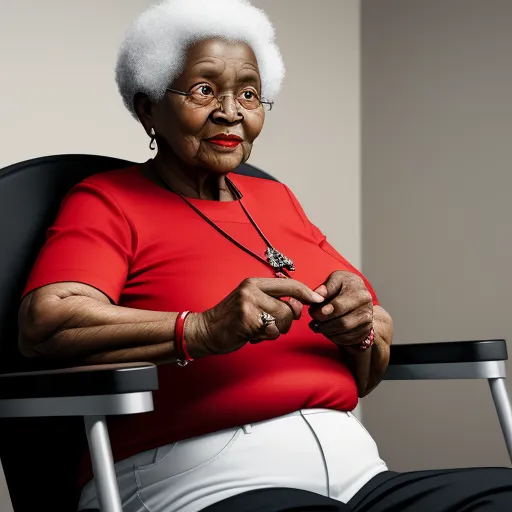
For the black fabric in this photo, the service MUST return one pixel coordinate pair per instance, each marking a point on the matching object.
(40, 458)
(278, 500)
(449, 352)
(449, 490)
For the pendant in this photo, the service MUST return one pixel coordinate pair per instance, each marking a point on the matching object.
(279, 261)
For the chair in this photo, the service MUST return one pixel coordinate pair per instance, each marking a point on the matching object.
(41, 433)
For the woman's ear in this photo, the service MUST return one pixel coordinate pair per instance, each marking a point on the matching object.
(144, 109)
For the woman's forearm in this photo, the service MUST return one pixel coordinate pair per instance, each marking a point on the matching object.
(369, 366)
(86, 330)
(146, 340)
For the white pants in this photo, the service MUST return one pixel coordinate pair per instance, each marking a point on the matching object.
(319, 450)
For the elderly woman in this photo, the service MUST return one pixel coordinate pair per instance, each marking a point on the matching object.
(264, 335)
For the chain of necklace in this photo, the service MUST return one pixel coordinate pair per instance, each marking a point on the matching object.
(279, 263)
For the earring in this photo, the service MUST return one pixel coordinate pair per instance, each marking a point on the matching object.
(152, 134)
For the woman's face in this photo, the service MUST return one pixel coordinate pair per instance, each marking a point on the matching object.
(220, 68)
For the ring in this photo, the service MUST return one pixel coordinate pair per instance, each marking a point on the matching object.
(267, 319)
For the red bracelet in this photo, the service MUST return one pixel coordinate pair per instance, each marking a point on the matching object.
(179, 335)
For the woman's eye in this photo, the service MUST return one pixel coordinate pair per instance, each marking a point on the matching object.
(206, 90)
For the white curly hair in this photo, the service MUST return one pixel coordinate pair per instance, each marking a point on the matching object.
(154, 49)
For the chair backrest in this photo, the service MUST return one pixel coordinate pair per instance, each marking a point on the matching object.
(40, 455)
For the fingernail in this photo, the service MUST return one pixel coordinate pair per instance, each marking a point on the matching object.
(317, 297)
(315, 326)
(322, 290)
(327, 310)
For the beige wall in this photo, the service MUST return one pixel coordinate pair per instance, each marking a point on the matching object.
(437, 132)
(312, 139)
(58, 96)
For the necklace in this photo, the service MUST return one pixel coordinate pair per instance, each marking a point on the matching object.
(279, 263)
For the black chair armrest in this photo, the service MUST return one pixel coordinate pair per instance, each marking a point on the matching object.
(449, 352)
(79, 381)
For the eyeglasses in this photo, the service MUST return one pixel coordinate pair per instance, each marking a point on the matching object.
(202, 95)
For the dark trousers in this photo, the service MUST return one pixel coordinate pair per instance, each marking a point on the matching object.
(450, 490)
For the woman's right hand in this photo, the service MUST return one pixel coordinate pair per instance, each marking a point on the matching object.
(236, 320)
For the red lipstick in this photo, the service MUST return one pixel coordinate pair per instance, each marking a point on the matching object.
(225, 140)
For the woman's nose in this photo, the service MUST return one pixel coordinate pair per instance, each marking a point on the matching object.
(228, 108)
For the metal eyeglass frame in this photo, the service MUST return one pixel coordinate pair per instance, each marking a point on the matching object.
(183, 93)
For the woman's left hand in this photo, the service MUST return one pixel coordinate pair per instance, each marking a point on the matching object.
(346, 315)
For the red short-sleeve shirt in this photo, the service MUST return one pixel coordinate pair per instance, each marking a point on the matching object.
(145, 248)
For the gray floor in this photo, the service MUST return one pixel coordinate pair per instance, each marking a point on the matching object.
(5, 501)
